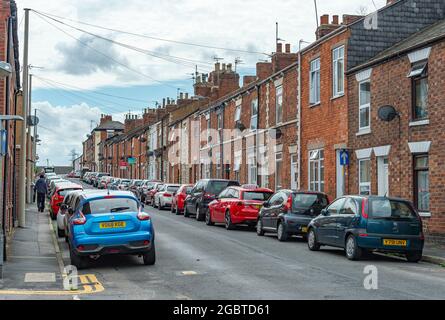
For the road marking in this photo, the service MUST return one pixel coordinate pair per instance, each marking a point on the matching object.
(89, 282)
(57, 248)
(189, 273)
(40, 277)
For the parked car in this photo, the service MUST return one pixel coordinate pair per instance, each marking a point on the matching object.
(178, 198)
(96, 178)
(58, 195)
(204, 192)
(103, 182)
(123, 184)
(104, 223)
(134, 186)
(366, 223)
(146, 187)
(149, 196)
(163, 198)
(52, 186)
(288, 213)
(237, 205)
(114, 183)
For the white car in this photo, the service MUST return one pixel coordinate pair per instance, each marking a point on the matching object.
(163, 198)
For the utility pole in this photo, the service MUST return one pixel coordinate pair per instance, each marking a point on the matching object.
(22, 176)
(28, 137)
(35, 142)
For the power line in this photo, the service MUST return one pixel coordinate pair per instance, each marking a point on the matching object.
(154, 38)
(97, 92)
(107, 56)
(174, 59)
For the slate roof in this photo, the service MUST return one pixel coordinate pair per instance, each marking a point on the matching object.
(110, 125)
(421, 39)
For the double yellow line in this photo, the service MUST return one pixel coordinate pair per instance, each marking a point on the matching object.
(89, 283)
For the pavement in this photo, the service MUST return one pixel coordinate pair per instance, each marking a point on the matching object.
(195, 261)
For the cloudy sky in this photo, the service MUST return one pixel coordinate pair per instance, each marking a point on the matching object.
(78, 76)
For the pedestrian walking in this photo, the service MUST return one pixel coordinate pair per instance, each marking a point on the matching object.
(41, 189)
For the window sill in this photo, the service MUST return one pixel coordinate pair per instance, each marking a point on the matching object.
(313, 105)
(363, 132)
(425, 214)
(419, 123)
(338, 96)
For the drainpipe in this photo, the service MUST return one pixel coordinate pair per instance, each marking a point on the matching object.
(257, 135)
(299, 114)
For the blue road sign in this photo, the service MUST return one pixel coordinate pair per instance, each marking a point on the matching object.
(3, 142)
(344, 158)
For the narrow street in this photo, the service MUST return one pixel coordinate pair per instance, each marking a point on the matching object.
(195, 261)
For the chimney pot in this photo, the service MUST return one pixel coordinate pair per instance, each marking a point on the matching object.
(181, 96)
(279, 47)
(324, 19)
(217, 66)
(229, 67)
(186, 96)
(335, 19)
(287, 47)
(223, 67)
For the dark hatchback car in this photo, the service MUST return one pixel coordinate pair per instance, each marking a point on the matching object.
(289, 213)
(204, 192)
(361, 224)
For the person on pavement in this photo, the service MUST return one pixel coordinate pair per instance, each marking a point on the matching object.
(41, 189)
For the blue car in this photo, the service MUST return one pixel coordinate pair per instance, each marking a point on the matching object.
(362, 224)
(103, 223)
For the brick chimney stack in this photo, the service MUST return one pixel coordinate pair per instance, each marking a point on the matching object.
(105, 118)
(326, 27)
(280, 59)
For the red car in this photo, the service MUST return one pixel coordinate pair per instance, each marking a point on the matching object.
(179, 197)
(237, 205)
(58, 196)
(150, 195)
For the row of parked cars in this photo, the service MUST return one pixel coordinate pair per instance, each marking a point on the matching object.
(99, 222)
(358, 224)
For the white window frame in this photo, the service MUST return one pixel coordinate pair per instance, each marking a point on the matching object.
(252, 167)
(237, 165)
(314, 82)
(364, 106)
(208, 131)
(254, 116)
(338, 56)
(279, 104)
(237, 113)
(314, 158)
(360, 182)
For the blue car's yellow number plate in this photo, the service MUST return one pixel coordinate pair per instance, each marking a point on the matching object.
(394, 242)
(113, 225)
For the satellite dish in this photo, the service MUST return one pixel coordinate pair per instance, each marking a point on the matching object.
(33, 120)
(387, 113)
(276, 134)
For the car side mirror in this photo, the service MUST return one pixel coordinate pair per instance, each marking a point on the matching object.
(70, 211)
(63, 207)
(266, 204)
(324, 212)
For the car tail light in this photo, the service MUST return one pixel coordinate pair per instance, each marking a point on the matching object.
(146, 242)
(288, 204)
(364, 208)
(208, 196)
(143, 216)
(80, 248)
(167, 195)
(240, 203)
(80, 220)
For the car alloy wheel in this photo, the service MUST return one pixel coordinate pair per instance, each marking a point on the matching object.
(228, 221)
(312, 243)
(281, 233)
(209, 218)
(353, 252)
(198, 214)
(259, 228)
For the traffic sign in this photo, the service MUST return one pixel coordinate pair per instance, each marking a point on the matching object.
(344, 158)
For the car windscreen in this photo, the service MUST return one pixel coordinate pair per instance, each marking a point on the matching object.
(259, 196)
(172, 188)
(188, 189)
(110, 205)
(138, 183)
(304, 201)
(390, 209)
(64, 192)
(215, 187)
(125, 182)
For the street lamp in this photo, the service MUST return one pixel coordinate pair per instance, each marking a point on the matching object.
(5, 69)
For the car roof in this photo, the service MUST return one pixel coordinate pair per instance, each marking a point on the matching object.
(259, 189)
(104, 193)
(68, 186)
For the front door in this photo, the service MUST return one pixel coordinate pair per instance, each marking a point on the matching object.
(340, 175)
(383, 176)
(294, 172)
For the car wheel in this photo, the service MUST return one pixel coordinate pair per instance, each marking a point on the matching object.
(281, 232)
(160, 206)
(51, 214)
(150, 256)
(209, 221)
(312, 242)
(353, 252)
(228, 221)
(186, 212)
(415, 256)
(199, 216)
(78, 261)
(259, 228)
(60, 233)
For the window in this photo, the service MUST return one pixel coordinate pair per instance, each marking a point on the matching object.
(390, 209)
(252, 165)
(364, 105)
(419, 75)
(238, 113)
(278, 170)
(338, 64)
(316, 170)
(220, 124)
(315, 82)
(237, 166)
(208, 131)
(218, 165)
(279, 104)
(254, 115)
(336, 206)
(350, 207)
(422, 183)
(365, 177)
(277, 199)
